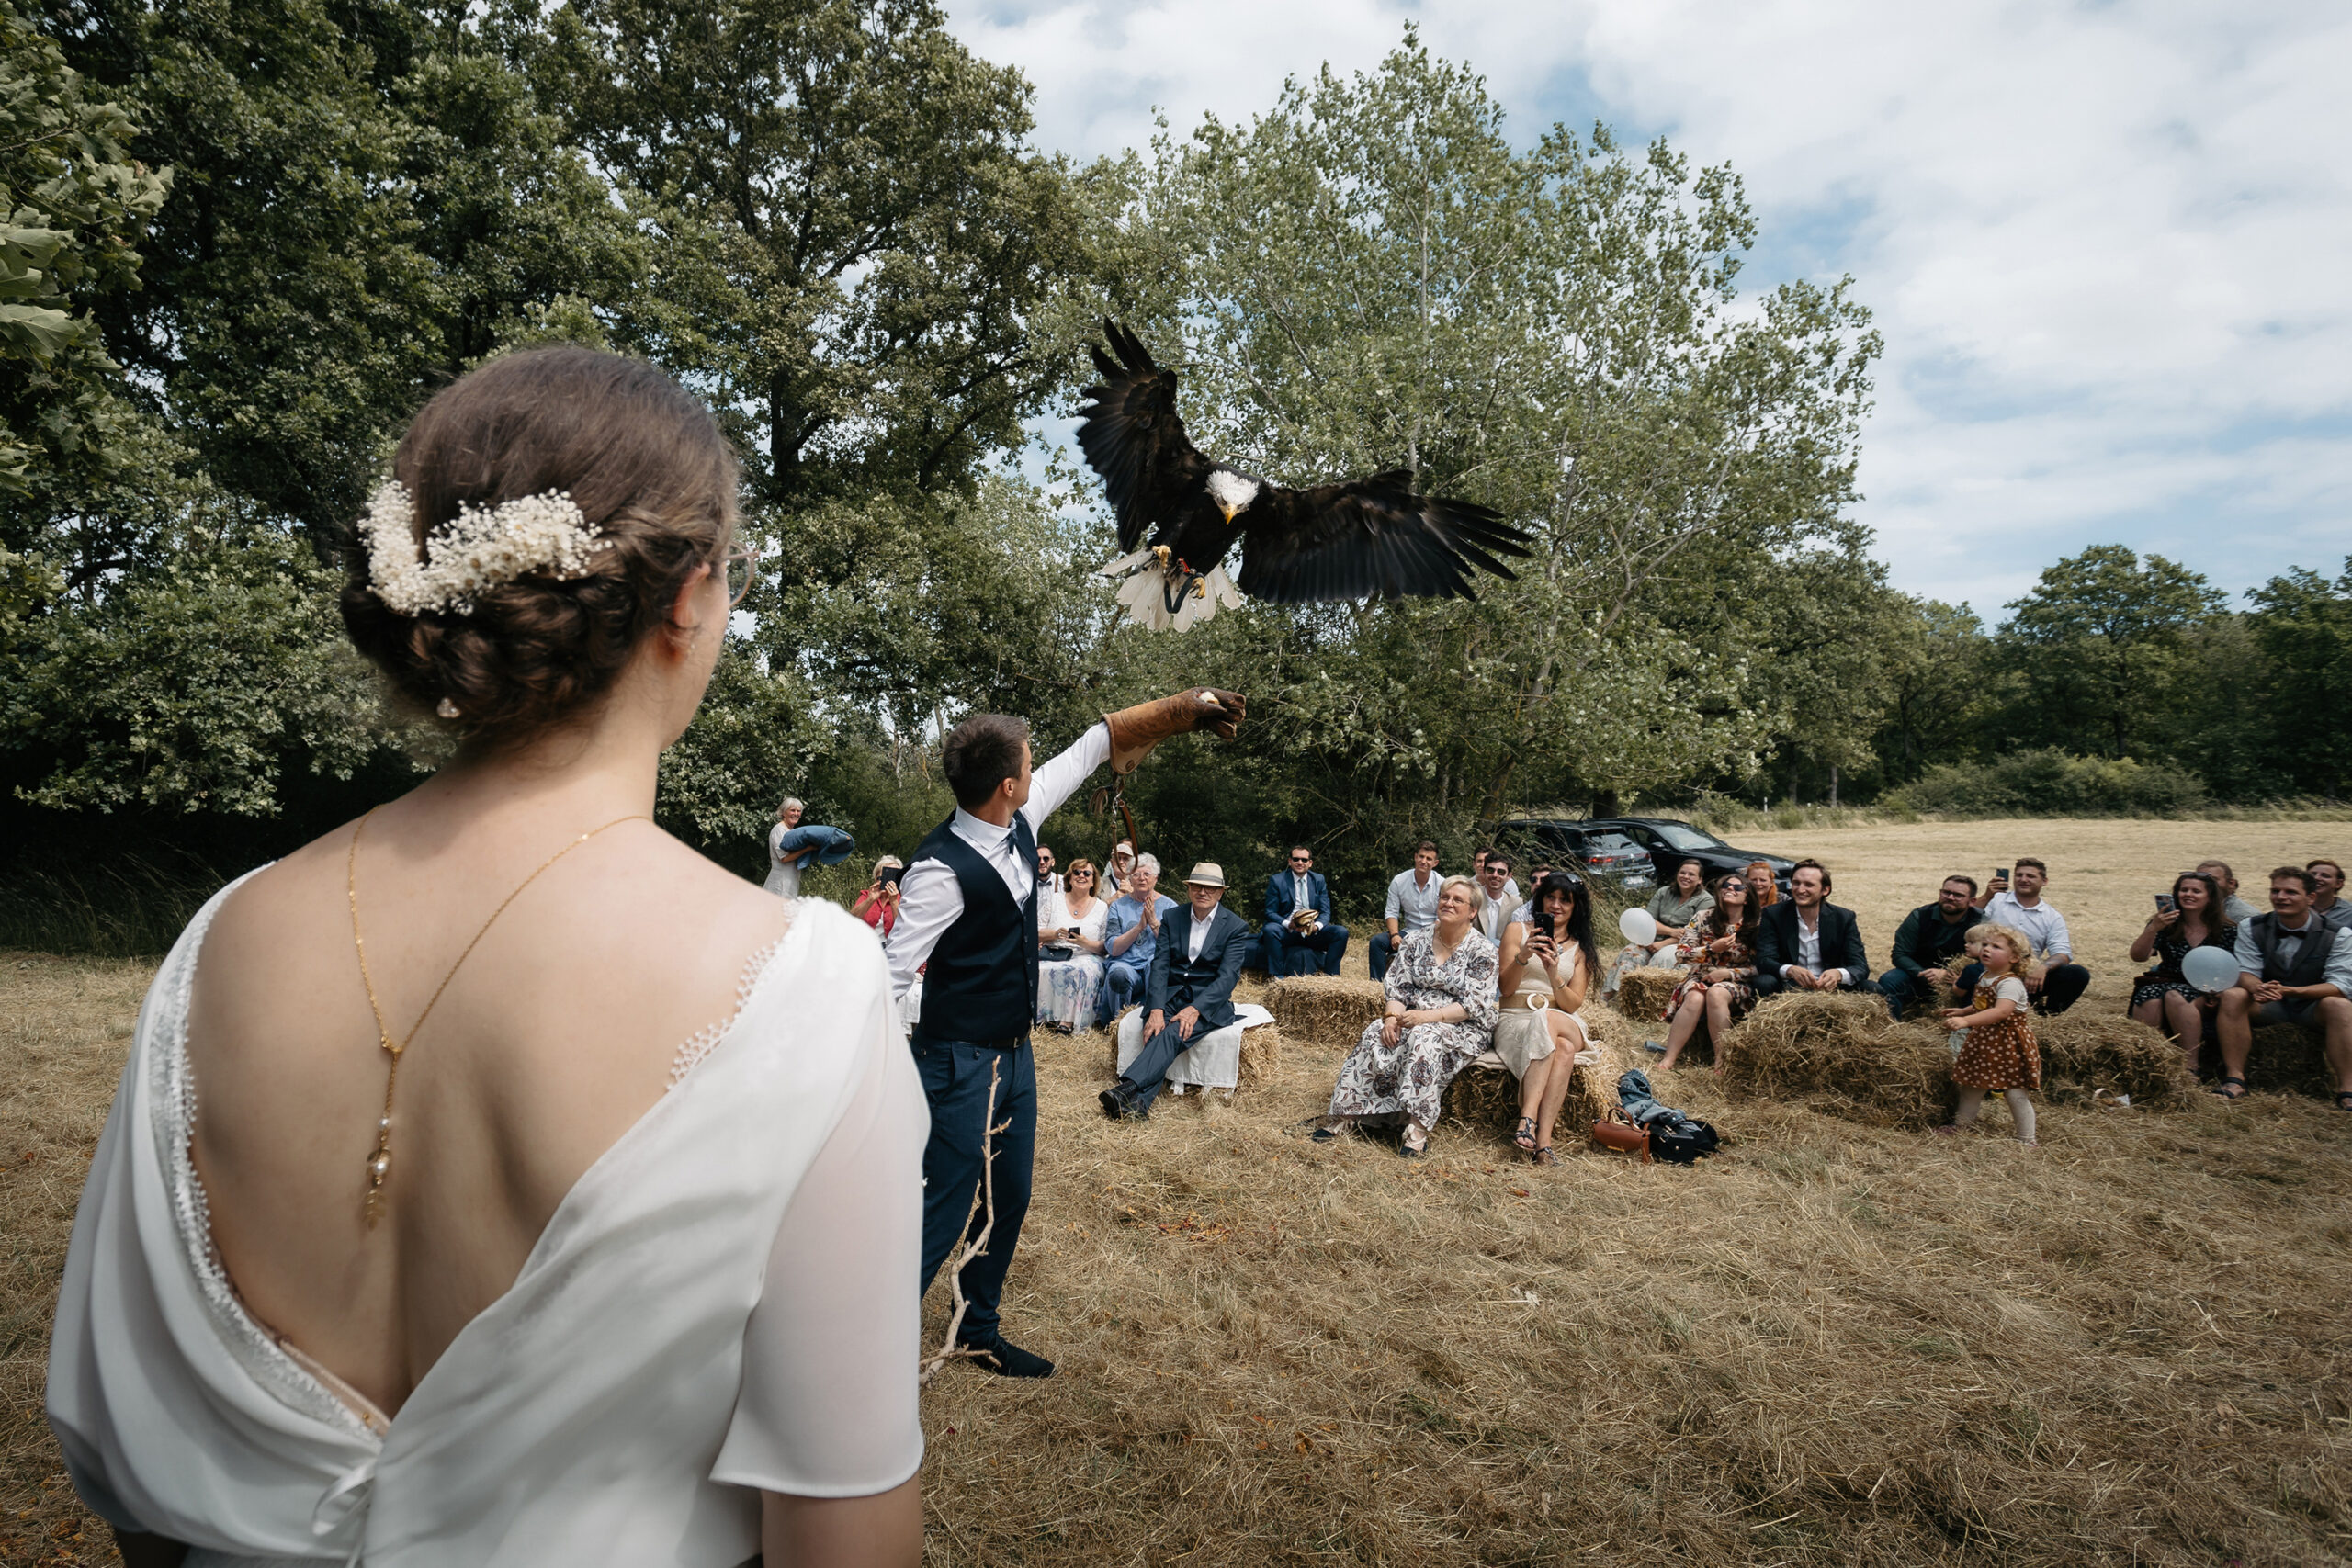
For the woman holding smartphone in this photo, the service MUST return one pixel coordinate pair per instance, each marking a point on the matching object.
(2188, 917)
(1071, 973)
(878, 904)
(1547, 962)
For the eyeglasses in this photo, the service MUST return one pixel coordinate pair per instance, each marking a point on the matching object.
(1302, 860)
(743, 563)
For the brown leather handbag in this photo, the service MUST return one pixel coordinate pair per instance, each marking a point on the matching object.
(1621, 1133)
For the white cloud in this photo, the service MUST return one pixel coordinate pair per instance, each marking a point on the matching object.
(2105, 243)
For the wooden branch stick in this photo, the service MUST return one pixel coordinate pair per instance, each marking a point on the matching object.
(983, 1202)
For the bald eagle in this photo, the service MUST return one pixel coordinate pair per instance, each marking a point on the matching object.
(1350, 540)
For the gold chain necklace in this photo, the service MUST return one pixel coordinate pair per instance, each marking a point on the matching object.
(380, 1163)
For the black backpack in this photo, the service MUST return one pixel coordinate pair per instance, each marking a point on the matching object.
(1684, 1143)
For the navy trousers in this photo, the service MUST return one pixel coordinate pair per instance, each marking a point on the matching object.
(1287, 953)
(1384, 951)
(955, 1081)
(1148, 1072)
(1905, 991)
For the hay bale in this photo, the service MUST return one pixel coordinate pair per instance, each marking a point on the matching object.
(1642, 993)
(2089, 1050)
(1328, 1011)
(1843, 1054)
(2285, 1060)
(1486, 1100)
(1261, 1052)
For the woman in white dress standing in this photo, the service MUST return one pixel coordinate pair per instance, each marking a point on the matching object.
(495, 1179)
(784, 870)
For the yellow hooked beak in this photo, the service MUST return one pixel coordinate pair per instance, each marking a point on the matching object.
(1229, 511)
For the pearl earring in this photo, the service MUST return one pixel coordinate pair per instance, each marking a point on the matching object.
(449, 709)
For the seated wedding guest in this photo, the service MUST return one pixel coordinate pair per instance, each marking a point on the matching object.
(1122, 867)
(2234, 909)
(1412, 905)
(1069, 967)
(1498, 897)
(1050, 894)
(1930, 937)
(629, 1274)
(1192, 972)
(1300, 936)
(1720, 990)
(1441, 1016)
(1543, 969)
(1809, 943)
(878, 906)
(1762, 891)
(2163, 998)
(1506, 893)
(1130, 936)
(2327, 886)
(1675, 908)
(2061, 980)
(2294, 967)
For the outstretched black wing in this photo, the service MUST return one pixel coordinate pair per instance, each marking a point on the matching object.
(1366, 537)
(1131, 437)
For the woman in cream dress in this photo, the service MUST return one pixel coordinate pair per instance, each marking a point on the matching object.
(1543, 978)
(496, 1180)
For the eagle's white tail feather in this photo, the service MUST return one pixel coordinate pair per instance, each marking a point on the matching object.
(1144, 596)
(1124, 563)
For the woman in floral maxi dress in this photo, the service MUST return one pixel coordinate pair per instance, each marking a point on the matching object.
(1442, 999)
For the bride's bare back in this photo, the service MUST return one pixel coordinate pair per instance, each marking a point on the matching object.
(554, 1037)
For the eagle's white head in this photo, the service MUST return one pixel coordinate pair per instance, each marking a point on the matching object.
(1232, 491)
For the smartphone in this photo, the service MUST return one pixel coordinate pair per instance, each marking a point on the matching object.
(890, 878)
(2165, 903)
(2002, 875)
(1539, 924)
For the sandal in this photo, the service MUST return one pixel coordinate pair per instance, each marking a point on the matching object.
(1525, 1137)
(2230, 1087)
(1546, 1155)
(1949, 1130)
(2343, 1099)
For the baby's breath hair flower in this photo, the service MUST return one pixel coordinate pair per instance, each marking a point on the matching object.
(483, 547)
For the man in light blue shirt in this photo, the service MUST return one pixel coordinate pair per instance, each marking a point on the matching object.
(1412, 907)
(1130, 935)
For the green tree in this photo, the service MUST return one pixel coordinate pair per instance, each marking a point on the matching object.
(2303, 623)
(2098, 648)
(72, 205)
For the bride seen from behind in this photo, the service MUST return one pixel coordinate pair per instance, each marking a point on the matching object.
(563, 1189)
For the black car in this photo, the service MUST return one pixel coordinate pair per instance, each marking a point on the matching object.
(1599, 854)
(1672, 841)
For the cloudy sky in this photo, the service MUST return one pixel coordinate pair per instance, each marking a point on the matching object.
(2110, 245)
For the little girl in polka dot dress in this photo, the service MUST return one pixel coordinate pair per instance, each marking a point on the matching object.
(1997, 1049)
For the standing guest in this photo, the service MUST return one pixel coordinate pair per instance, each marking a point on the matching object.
(1070, 968)
(1192, 974)
(1498, 897)
(1809, 943)
(2327, 884)
(1050, 894)
(1299, 928)
(1762, 890)
(878, 904)
(1442, 1007)
(968, 926)
(784, 867)
(2059, 980)
(1675, 908)
(1412, 905)
(2234, 909)
(595, 1297)
(1130, 936)
(1122, 867)
(1721, 987)
(1997, 1050)
(1544, 970)
(1930, 937)
(2294, 967)
(2163, 998)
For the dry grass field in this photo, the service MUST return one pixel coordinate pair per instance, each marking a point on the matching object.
(1831, 1344)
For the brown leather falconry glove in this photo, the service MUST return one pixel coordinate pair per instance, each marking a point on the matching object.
(1136, 730)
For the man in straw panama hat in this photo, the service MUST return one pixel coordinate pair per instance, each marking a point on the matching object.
(969, 912)
(1191, 989)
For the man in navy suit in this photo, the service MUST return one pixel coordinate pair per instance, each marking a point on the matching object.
(1190, 989)
(1299, 930)
(1809, 943)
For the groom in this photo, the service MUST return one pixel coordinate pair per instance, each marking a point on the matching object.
(969, 912)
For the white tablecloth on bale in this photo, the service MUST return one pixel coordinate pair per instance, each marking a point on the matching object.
(1213, 1061)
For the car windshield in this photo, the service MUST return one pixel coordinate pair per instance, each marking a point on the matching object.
(1682, 836)
(1603, 844)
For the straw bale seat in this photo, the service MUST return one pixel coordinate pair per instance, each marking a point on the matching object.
(1328, 1011)
(1642, 993)
(2087, 1049)
(1245, 1051)
(1843, 1054)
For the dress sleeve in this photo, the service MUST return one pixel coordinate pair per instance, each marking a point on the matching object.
(828, 1403)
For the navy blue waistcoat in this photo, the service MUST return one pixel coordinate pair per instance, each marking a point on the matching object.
(981, 982)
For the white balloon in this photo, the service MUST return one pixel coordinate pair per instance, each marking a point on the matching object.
(1638, 927)
(2210, 968)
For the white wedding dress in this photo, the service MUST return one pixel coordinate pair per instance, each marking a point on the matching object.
(724, 1303)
